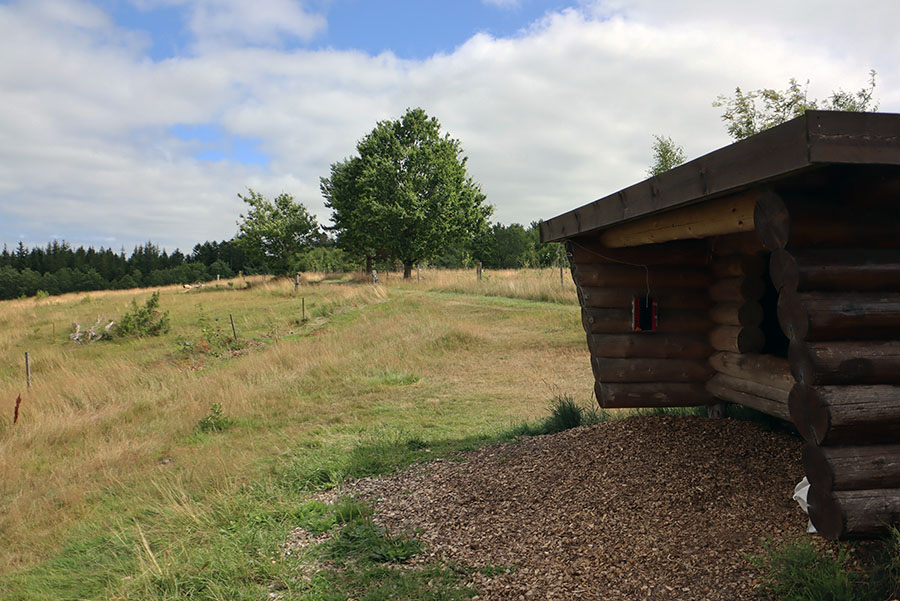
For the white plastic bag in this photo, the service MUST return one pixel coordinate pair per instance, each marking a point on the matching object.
(800, 493)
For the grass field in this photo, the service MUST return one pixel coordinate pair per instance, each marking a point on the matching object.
(175, 466)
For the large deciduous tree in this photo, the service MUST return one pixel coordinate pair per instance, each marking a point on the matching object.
(746, 114)
(273, 232)
(407, 195)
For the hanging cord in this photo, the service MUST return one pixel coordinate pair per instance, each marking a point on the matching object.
(612, 260)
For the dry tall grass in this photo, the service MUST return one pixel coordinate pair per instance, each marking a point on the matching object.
(111, 427)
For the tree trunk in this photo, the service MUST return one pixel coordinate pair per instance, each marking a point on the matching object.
(368, 263)
(407, 269)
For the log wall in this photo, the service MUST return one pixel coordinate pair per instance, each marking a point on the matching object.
(799, 318)
(837, 271)
(664, 368)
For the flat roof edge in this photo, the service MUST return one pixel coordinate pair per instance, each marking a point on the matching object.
(815, 138)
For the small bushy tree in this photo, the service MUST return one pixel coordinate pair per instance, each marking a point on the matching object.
(666, 155)
(143, 321)
(748, 113)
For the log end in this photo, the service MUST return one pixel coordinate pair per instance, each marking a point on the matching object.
(826, 513)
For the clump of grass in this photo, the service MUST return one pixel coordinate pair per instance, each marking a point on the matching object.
(363, 539)
(797, 571)
(565, 414)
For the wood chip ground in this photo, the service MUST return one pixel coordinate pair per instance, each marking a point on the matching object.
(641, 508)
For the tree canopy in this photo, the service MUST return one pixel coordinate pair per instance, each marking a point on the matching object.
(407, 195)
(273, 232)
(746, 114)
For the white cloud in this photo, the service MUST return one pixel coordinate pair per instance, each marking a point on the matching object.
(218, 24)
(551, 119)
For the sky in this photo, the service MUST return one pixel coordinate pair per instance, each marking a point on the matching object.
(126, 121)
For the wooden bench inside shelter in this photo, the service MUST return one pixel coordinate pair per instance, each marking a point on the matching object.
(766, 273)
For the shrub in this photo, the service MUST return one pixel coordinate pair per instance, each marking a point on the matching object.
(215, 421)
(144, 321)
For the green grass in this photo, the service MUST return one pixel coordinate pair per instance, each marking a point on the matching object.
(195, 461)
(799, 571)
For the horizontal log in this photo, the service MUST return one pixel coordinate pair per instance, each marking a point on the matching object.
(767, 370)
(640, 369)
(662, 394)
(748, 313)
(839, 226)
(852, 468)
(809, 222)
(745, 392)
(836, 269)
(840, 316)
(619, 321)
(668, 298)
(752, 265)
(747, 243)
(737, 339)
(711, 218)
(834, 415)
(737, 289)
(854, 513)
(589, 249)
(640, 344)
(612, 275)
(869, 362)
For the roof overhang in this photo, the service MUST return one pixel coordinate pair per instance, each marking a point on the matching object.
(812, 140)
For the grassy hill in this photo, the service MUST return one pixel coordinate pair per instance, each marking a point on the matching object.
(175, 466)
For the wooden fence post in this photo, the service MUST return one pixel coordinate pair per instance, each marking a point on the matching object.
(27, 371)
(233, 330)
(303, 307)
(478, 270)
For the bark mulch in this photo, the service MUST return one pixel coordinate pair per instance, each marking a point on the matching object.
(640, 508)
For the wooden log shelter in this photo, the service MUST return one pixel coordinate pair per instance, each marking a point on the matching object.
(766, 273)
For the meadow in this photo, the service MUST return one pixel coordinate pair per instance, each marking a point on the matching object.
(176, 466)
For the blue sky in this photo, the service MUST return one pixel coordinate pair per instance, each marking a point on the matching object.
(123, 121)
(412, 29)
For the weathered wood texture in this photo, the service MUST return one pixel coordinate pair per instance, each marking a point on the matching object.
(840, 316)
(841, 270)
(639, 369)
(655, 345)
(846, 362)
(727, 215)
(854, 513)
(737, 339)
(657, 394)
(774, 372)
(738, 264)
(853, 467)
(737, 289)
(832, 415)
(748, 313)
(610, 275)
(767, 399)
(619, 321)
(692, 253)
(669, 298)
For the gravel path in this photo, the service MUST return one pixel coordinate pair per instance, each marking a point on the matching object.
(640, 508)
